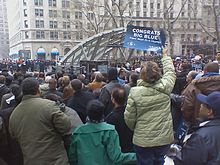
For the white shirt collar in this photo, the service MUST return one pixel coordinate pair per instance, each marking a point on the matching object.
(203, 123)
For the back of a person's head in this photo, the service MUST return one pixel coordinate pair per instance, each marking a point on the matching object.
(30, 86)
(36, 74)
(8, 80)
(134, 77)
(26, 75)
(76, 84)
(2, 79)
(119, 95)
(53, 97)
(52, 83)
(211, 67)
(66, 80)
(98, 77)
(112, 74)
(81, 77)
(95, 110)
(15, 89)
(150, 72)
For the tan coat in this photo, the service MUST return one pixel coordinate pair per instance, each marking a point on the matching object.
(38, 125)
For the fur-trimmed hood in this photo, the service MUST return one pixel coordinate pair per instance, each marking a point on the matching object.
(208, 84)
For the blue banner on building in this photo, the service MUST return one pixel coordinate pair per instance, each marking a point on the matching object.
(144, 38)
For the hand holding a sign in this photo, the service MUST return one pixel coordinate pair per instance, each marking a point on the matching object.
(165, 51)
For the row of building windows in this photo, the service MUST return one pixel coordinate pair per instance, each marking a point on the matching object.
(54, 24)
(55, 35)
(65, 14)
(51, 3)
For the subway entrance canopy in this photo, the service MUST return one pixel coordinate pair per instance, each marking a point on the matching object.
(98, 47)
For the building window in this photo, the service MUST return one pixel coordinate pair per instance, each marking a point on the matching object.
(66, 14)
(52, 3)
(151, 5)
(158, 6)
(138, 23)
(79, 36)
(145, 14)
(195, 37)
(194, 25)
(53, 24)
(90, 16)
(182, 14)
(53, 35)
(53, 13)
(24, 3)
(158, 14)
(39, 12)
(78, 25)
(25, 24)
(145, 5)
(65, 3)
(130, 4)
(137, 13)
(182, 37)
(151, 14)
(66, 25)
(171, 15)
(39, 24)
(40, 35)
(138, 5)
(78, 15)
(26, 35)
(67, 35)
(25, 12)
(38, 2)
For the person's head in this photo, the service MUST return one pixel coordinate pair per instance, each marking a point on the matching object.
(65, 81)
(2, 79)
(98, 77)
(133, 78)
(150, 72)
(218, 56)
(30, 86)
(76, 85)
(81, 77)
(52, 83)
(8, 80)
(95, 111)
(118, 96)
(112, 74)
(41, 75)
(210, 105)
(211, 67)
(47, 79)
(191, 76)
(53, 97)
(16, 91)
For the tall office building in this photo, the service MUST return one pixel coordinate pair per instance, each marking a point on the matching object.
(40, 29)
(4, 41)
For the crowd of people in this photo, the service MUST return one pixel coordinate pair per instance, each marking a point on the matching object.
(129, 116)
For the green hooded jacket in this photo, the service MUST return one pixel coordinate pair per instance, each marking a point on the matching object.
(97, 144)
